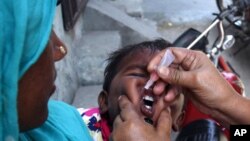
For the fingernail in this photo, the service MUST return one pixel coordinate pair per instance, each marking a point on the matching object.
(153, 76)
(168, 109)
(119, 98)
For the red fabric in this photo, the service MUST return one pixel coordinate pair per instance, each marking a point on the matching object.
(105, 129)
(234, 81)
(193, 114)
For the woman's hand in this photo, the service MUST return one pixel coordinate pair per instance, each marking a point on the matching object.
(195, 72)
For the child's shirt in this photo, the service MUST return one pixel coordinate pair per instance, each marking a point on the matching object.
(96, 123)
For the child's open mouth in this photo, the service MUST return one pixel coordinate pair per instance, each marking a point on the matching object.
(147, 106)
(148, 102)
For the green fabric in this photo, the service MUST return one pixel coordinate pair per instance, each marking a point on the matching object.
(25, 27)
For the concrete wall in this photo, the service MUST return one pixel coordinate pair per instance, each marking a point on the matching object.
(67, 81)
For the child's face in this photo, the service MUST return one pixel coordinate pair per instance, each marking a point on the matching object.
(130, 79)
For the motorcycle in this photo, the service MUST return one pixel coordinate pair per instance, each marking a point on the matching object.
(241, 17)
(239, 21)
(237, 14)
(194, 39)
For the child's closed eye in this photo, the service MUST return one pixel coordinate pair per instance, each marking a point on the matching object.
(143, 75)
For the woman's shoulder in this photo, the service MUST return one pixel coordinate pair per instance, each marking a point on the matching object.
(64, 122)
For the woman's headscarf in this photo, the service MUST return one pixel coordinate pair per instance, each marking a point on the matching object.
(25, 27)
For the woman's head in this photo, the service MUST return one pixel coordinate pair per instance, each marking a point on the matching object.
(26, 58)
(126, 74)
(37, 85)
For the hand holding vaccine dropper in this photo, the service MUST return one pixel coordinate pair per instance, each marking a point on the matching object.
(166, 60)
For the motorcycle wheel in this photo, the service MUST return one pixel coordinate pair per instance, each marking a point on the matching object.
(234, 19)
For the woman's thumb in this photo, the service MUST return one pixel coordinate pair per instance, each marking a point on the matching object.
(164, 124)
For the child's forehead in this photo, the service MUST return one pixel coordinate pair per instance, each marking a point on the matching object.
(138, 56)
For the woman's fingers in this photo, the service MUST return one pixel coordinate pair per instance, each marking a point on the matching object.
(127, 109)
(164, 124)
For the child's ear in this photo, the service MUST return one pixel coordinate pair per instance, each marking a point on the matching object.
(103, 101)
(178, 124)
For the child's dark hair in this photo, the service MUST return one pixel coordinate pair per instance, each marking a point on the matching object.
(116, 57)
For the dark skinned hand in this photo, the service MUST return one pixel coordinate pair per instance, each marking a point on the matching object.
(204, 85)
